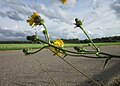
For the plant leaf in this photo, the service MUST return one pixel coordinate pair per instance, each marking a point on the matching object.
(106, 61)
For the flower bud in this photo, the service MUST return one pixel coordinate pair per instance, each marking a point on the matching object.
(44, 32)
(32, 38)
(78, 23)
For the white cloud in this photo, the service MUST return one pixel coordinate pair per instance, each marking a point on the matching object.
(54, 11)
(100, 17)
(95, 4)
(116, 7)
(71, 3)
(102, 20)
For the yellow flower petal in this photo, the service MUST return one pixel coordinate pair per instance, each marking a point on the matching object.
(64, 1)
(33, 25)
(33, 21)
(58, 43)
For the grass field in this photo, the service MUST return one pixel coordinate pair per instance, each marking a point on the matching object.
(18, 46)
(97, 44)
(36, 46)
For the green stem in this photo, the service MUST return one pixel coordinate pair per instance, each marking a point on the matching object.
(46, 72)
(87, 52)
(90, 52)
(110, 55)
(80, 71)
(90, 39)
(37, 50)
(46, 33)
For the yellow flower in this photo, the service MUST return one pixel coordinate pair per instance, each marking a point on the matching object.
(58, 43)
(34, 20)
(64, 1)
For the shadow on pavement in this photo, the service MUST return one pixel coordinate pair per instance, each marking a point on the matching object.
(104, 77)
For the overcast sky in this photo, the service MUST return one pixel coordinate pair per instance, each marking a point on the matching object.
(101, 18)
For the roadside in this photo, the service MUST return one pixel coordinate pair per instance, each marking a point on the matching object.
(16, 69)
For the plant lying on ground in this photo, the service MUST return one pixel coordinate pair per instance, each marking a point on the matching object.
(57, 46)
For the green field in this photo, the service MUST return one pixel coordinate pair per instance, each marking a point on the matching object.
(36, 46)
(18, 46)
(97, 44)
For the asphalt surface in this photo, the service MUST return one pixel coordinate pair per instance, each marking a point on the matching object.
(16, 69)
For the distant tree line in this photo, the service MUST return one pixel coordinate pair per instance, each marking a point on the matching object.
(96, 40)
(71, 40)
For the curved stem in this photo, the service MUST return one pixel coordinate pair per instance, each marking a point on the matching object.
(46, 33)
(89, 52)
(78, 53)
(37, 50)
(83, 56)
